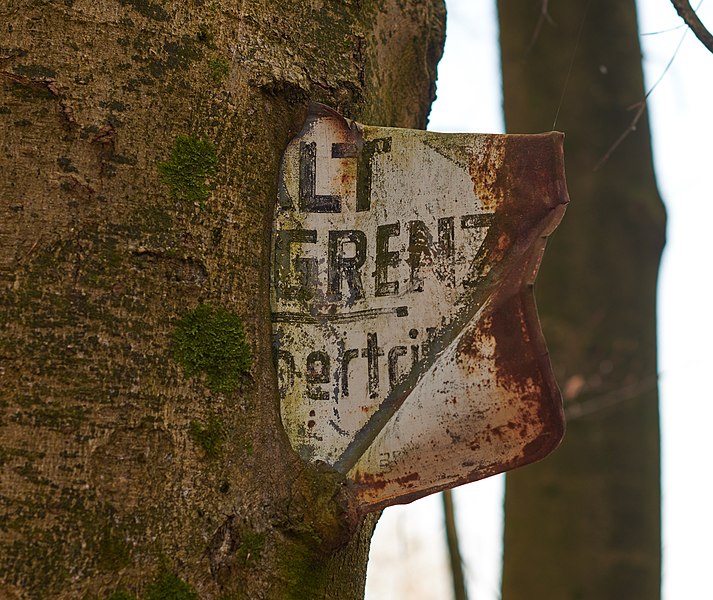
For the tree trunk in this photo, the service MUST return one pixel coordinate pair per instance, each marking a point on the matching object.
(585, 523)
(142, 452)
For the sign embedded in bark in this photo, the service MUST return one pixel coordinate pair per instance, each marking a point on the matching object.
(408, 349)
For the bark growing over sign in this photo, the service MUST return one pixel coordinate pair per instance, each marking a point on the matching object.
(140, 146)
(584, 523)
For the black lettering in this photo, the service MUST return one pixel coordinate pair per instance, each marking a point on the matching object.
(445, 269)
(372, 353)
(317, 373)
(318, 394)
(422, 252)
(285, 268)
(419, 243)
(385, 259)
(318, 367)
(310, 201)
(364, 170)
(341, 267)
(477, 221)
(415, 349)
(394, 353)
(344, 150)
(348, 356)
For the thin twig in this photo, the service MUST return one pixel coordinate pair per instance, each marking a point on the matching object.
(641, 107)
(669, 30)
(571, 63)
(544, 16)
(584, 408)
(686, 12)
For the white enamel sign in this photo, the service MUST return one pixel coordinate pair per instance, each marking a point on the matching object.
(407, 345)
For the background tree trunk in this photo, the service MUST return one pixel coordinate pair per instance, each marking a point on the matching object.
(140, 143)
(585, 523)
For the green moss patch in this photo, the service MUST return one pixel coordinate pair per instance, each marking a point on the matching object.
(251, 545)
(192, 162)
(303, 574)
(113, 553)
(210, 436)
(219, 69)
(170, 587)
(212, 341)
(121, 595)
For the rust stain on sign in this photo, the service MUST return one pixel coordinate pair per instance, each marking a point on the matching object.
(408, 349)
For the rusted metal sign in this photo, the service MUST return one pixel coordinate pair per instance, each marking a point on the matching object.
(407, 344)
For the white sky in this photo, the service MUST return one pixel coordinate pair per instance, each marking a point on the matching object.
(408, 560)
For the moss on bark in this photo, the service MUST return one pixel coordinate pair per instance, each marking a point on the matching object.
(211, 341)
(129, 248)
(192, 162)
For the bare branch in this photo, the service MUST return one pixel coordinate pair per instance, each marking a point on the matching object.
(686, 12)
(459, 588)
(584, 408)
(544, 16)
(640, 106)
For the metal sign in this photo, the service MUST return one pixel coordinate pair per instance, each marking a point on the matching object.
(408, 350)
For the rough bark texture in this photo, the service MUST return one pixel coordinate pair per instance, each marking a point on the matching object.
(584, 523)
(139, 146)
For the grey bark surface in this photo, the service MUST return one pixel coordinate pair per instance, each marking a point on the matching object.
(585, 522)
(139, 148)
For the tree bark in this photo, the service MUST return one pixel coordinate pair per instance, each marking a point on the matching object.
(585, 523)
(142, 453)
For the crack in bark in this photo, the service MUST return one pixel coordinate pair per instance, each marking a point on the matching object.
(43, 85)
(46, 85)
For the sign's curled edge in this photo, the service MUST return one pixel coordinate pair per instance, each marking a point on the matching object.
(406, 339)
